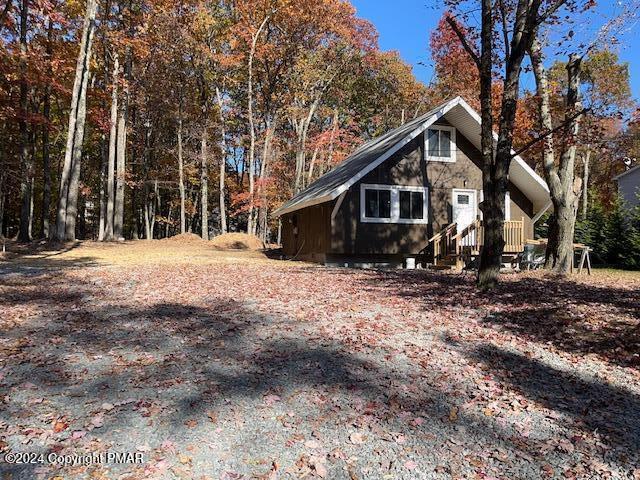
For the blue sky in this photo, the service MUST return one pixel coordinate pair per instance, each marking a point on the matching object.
(404, 25)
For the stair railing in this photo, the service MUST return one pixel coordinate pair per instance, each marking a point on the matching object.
(468, 238)
(443, 243)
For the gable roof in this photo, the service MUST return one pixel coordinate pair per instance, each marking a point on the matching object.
(373, 153)
(627, 172)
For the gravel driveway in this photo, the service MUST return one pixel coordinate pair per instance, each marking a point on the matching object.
(269, 370)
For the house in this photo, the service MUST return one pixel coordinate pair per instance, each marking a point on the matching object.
(629, 187)
(412, 193)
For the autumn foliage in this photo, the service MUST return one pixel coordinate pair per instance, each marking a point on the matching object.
(229, 108)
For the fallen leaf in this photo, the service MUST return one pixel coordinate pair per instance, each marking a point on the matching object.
(312, 444)
(59, 426)
(453, 414)
(410, 465)
(98, 420)
(357, 438)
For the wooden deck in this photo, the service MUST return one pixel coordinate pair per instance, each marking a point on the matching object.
(450, 247)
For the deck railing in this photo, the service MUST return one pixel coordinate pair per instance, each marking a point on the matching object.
(514, 238)
(472, 237)
(470, 240)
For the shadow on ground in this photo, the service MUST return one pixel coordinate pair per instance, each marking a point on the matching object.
(84, 350)
(595, 406)
(575, 317)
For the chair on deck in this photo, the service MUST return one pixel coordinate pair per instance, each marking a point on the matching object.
(532, 258)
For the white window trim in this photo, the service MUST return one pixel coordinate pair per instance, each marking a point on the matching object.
(395, 204)
(452, 158)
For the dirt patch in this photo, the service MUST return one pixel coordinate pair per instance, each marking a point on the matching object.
(184, 238)
(237, 241)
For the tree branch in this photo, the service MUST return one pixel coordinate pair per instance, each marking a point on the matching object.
(567, 121)
(5, 12)
(463, 40)
(505, 32)
(550, 11)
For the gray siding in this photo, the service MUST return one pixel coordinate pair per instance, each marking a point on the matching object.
(629, 188)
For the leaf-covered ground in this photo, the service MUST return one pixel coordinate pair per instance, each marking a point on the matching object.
(230, 365)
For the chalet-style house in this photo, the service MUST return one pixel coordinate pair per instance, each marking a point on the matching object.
(411, 195)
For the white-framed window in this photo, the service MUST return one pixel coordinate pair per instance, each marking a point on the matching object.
(440, 144)
(393, 204)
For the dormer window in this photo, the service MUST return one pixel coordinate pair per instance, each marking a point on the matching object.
(441, 144)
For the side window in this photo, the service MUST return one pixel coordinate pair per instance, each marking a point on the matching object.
(411, 205)
(393, 204)
(377, 203)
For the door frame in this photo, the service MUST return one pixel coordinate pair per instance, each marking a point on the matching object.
(456, 191)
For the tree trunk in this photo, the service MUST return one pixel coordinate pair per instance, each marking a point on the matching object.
(183, 223)
(585, 183)
(111, 160)
(166, 228)
(252, 136)
(147, 202)
(312, 164)
(204, 184)
(223, 164)
(332, 137)
(266, 152)
(121, 160)
(46, 160)
(252, 128)
(24, 234)
(3, 178)
(31, 189)
(490, 257)
(559, 255)
(302, 131)
(69, 181)
(103, 192)
(560, 178)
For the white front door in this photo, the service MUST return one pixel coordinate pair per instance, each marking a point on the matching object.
(465, 207)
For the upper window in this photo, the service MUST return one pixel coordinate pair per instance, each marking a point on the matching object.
(441, 144)
(393, 204)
